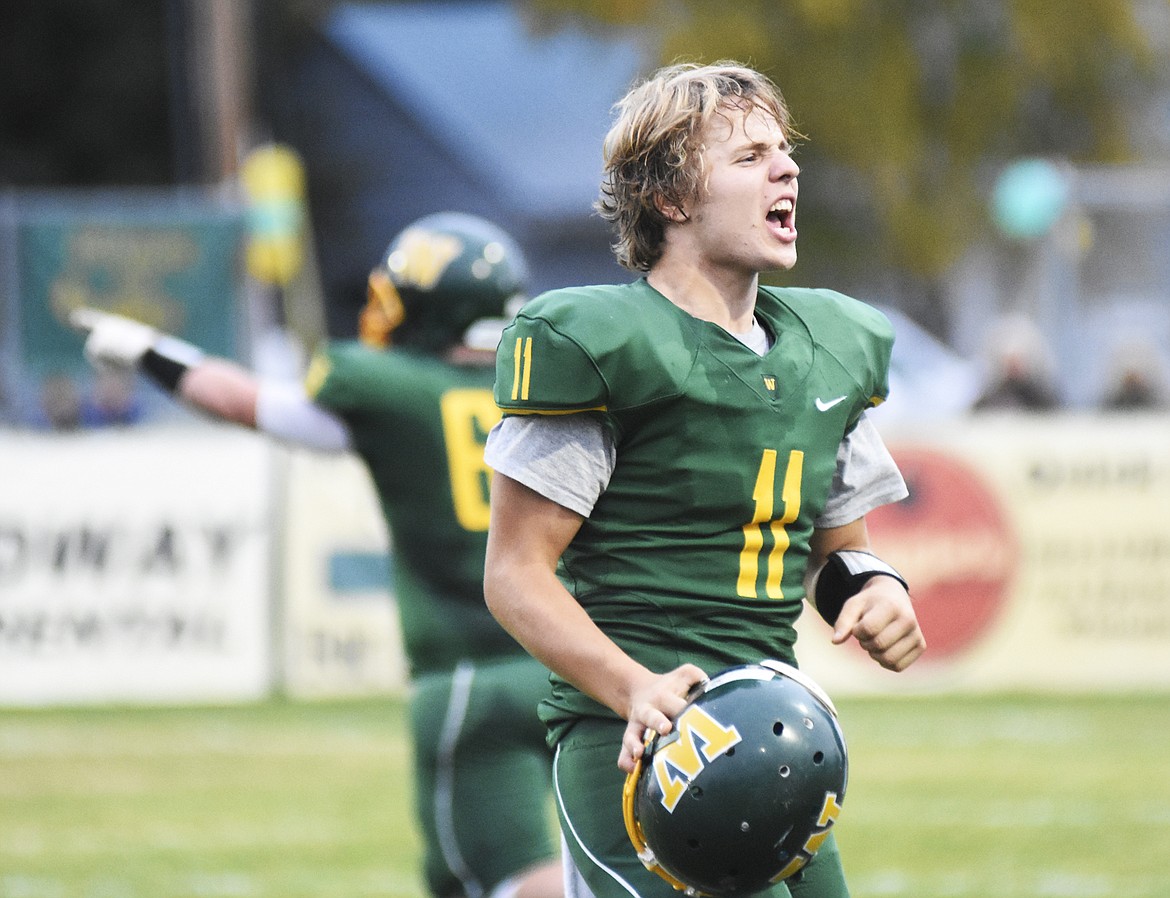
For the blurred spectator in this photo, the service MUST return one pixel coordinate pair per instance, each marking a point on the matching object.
(112, 400)
(1020, 369)
(60, 403)
(1136, 377)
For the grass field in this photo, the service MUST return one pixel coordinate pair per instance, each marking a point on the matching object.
(1044, 797)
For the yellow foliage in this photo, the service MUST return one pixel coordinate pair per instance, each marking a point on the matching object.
(919, 100)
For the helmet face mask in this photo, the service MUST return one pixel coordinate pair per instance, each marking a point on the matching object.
(438, 277)
(744, 789)
(383, 311)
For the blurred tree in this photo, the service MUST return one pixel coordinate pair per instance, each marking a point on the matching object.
(911, 107)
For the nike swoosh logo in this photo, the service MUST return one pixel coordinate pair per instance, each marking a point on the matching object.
(823, 406)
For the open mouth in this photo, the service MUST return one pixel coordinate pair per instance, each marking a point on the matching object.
(782, 218)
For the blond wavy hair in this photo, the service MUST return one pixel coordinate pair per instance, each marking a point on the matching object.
(654, 153)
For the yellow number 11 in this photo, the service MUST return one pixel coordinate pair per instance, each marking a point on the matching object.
(753, 532)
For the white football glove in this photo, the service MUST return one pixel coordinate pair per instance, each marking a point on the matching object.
(113, 340)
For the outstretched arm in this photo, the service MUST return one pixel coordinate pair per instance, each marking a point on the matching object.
(528, 533)
(217, 386)
(222, 389)
(878, 612)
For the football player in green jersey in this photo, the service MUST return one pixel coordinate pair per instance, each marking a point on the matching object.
(684, 458)
(417, 414)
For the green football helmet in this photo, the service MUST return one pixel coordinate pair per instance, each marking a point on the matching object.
(439, 277)
(744, 789)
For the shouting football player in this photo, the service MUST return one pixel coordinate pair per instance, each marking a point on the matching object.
(678, 452)
(417, 413)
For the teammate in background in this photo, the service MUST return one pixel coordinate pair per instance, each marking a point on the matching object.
(682, 450)
(417, 414)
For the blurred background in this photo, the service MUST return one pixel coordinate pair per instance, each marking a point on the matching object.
(980, 167)
(993, 174)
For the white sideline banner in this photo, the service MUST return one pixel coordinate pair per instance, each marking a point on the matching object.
(1037, 549)
(135, 566)
(341, 633)
(205, 564)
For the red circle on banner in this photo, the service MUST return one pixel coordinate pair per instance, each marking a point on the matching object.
(953, 542)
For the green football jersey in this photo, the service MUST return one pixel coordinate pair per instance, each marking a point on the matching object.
(420, 424)
(696, 551)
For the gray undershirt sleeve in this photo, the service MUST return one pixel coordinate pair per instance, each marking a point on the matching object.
(866, 478)
(285, 411)
(565, 458)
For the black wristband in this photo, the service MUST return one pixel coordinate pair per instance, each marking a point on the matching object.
(163, 370)
(168, 360)
(841, 578)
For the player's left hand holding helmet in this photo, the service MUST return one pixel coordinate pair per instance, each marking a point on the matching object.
(744, 789)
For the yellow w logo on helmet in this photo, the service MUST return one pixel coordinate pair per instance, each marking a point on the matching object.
(677, 764)
(421, 257)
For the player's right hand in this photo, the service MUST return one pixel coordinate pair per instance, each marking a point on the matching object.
(881, 618)
(113, 340)
(653, 705)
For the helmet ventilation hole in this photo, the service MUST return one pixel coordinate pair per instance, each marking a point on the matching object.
(778, 728)
(729, 752)
(785, 770)
(819, 757)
